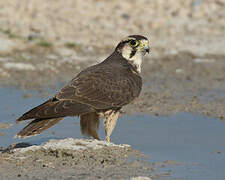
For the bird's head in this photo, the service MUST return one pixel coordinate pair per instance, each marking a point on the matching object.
(133, 48)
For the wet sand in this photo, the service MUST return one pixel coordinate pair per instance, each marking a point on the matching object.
(79, 160)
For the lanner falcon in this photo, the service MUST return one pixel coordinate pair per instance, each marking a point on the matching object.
(98, 91)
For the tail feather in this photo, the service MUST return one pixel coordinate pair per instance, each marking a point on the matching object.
(37, 126)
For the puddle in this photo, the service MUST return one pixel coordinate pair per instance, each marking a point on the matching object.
(195, 143)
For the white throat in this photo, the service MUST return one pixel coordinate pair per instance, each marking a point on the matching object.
(136, 60)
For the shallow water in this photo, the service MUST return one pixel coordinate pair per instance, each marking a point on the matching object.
(195, 142)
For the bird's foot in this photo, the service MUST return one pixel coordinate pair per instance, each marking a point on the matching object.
(108, 139)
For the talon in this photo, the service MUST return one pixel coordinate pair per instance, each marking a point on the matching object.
(108, 139)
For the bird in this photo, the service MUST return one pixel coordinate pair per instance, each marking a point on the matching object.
(99, 91)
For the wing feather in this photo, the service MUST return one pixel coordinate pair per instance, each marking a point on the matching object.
(55, 108)
(103, 87)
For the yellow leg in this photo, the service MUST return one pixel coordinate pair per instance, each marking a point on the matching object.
(110, 123)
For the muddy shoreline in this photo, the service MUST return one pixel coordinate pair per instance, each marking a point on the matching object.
(108, 161)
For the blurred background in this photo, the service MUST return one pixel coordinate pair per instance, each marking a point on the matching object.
(100, 23)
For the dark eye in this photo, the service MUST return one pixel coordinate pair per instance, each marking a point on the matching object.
(133, 43)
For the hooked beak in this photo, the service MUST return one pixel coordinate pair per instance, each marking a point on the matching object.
(147, 48)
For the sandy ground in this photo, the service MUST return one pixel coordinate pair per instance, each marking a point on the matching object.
(185, 71)
(77, 159)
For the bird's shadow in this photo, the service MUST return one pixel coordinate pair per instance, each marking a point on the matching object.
(14, 146)
(11, 147)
